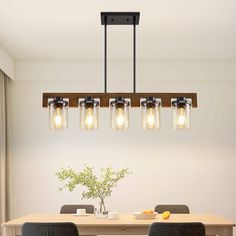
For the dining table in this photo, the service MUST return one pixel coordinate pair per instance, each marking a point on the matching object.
(127, 224)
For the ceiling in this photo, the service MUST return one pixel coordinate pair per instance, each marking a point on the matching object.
(71, 29)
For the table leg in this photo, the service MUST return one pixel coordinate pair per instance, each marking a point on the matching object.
(219, 230)
(9, 231)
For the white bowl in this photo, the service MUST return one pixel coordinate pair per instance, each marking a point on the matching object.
(141, 216)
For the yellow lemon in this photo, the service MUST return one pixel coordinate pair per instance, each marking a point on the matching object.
(166, 215)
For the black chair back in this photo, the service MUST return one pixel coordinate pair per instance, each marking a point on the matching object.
(49, 229)
(177, 229)
(71, 209)
(174, 209)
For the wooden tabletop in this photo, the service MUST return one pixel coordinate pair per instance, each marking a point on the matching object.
(125, 220)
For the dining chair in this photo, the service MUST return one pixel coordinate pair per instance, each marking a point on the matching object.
(70, 209)
(49, 229)
(177, 229)
(174, 209)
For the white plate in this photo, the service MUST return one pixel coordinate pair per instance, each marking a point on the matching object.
(141, 216)
(80, 214)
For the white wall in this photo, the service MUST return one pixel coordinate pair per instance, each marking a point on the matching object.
(195, 167)
(7, 63)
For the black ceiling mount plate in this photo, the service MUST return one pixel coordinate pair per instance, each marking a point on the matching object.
(120, 18)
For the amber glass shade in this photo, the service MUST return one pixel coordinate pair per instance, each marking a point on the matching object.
(119, 114)
(89, 114)
(150, 113)
(58, 114)
(181, 113)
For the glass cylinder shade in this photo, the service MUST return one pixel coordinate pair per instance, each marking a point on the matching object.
(58, 114)
(181, 113)
(119, 114)
(150, 114)
(89, 109)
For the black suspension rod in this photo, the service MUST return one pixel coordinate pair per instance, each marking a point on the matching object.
(105, 57)
(134, 57)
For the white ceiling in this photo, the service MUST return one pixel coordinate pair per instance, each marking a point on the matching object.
(71, 29)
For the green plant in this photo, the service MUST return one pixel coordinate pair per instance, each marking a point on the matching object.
(97, 187)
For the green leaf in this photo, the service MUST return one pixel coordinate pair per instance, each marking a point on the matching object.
(96, 187)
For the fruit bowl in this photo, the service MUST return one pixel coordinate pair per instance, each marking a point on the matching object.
(142, 216)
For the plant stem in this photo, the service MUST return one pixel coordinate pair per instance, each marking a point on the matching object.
(102, 205)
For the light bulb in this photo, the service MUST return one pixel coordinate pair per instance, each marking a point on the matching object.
(57, 118)
(181, 117)
(89, 117)
(120, 117)
(150, 118)
(119, 109)
(89, 114)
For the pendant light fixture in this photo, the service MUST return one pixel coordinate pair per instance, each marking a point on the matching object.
(58, 114)
(181, 113)
(120, 103)
(150, 113)
(89, 114)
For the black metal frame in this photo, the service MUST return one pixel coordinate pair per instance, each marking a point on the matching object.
(120, 18)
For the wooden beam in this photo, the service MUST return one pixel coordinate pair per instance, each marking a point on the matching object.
(134, 97)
